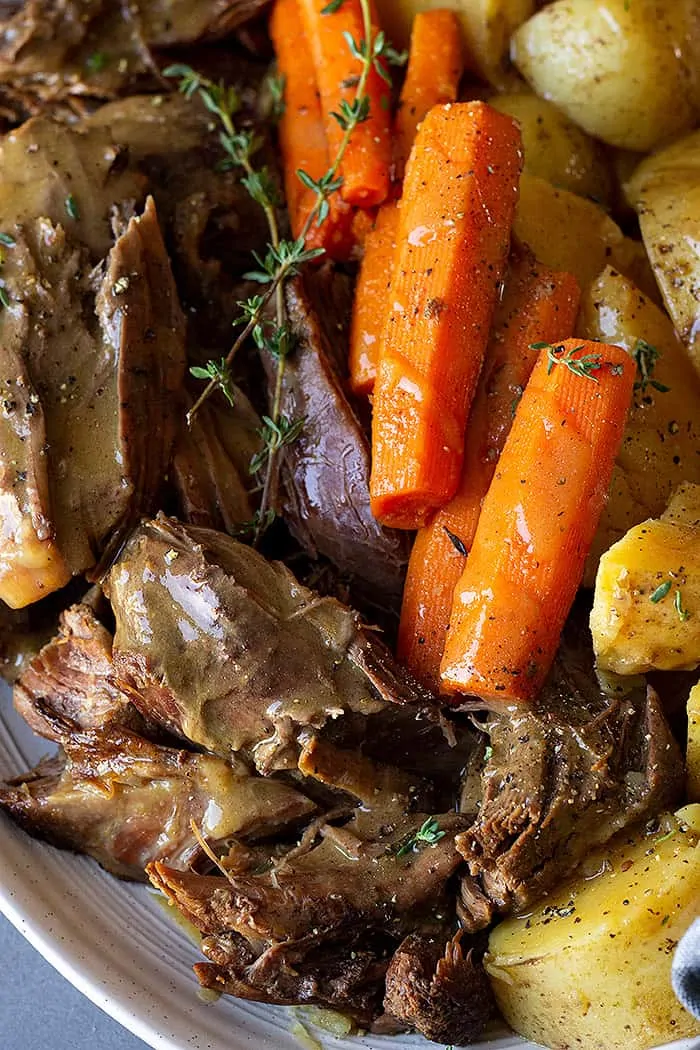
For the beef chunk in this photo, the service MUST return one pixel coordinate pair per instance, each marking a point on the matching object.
(441, 991)
(90, 361)
(68, 55)
(128, 802)
(228, 650)
(211, 462)
(72, 677)
(326, 470)
(563, 778)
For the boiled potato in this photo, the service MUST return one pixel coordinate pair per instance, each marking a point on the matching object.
(692, 758)
(555, 148)
(487, 25)
(619, 68)
(662, 437)
(665, 190)
(646, 604)
(569, 232)
(591, 966)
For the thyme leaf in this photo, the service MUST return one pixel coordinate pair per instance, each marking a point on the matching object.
(660, 593)
(429, 834)
(583, 366)
(683, 614)
(219, 373)
(645, 356)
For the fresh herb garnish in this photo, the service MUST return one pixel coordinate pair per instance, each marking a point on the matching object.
(283, 258)
(72, 210)
(4, 298)
(645, 356)
(458, 544)
(96, 62)
(683, 614)
(275, 435)
(428, 833)
(7, 240)
(220, 373)
(666, 837)
(661, 591)
(488, 752)
(580, 366)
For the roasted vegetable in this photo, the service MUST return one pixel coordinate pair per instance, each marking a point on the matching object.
(646, 608)
(692, 758)
(555, 148)
(659, 449)
(665, 190)
(623, 70)
(537, 523)
(487, 27)
(591, 966)
(569, 232)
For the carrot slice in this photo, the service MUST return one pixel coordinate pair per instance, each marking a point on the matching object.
(371, 295)
(302, 135)
(537, 304)
(435, 67)
(537, 523)
(459, 196)
(366, 165)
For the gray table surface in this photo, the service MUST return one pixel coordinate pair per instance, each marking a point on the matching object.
(40, 1010)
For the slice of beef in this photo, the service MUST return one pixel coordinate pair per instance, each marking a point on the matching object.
(563, 778)
(440, 990)
(90, 361)
(325, 472)
(72, 677)
(230, 651)
(128, 802)
(211, 461)
(347, 974)
(210, 227)
(67, 56)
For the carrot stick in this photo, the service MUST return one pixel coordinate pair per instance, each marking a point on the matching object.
(537, 523)
(371, 294)
(537, 305)
(435, 67)
(302, 135)
(456, 212)
(365, 168)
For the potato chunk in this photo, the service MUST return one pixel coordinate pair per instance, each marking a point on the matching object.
(646, 606)
(555, 148)
(591, 967)
(623, 71)
(662, 437)
(665, 190)
(692, 758)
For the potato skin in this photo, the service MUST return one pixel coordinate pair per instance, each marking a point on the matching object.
(555, 148)
(665, 190)
(662, 437)
(623, 71)
(590, 968)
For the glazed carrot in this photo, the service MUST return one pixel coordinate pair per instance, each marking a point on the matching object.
(459, 196)
(302, 135)
(371, 295)
(435, 67)
(537, 305)
(537, 523)
(367, 160)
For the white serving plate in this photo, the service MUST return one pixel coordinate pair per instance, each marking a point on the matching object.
(115, 943)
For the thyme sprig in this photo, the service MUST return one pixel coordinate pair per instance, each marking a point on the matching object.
(429, 833)
(583, 366)
(645, 356)
(284, 258)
